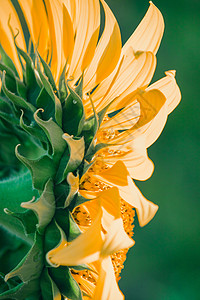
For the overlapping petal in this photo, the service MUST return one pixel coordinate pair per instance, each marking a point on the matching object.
(119, 177)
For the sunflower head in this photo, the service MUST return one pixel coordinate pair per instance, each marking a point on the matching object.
(77, 115)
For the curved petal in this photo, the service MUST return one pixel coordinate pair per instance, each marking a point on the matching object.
(88, 24)
(9, 18)
(148, 34)
(118, 176)
(82, 250)
(36, 19)
(107, 287)
(137, 71)
(169, 88)
(134, 156)
(116, 239)
(107, 52)
(151, 103)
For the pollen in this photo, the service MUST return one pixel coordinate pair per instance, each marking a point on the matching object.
(81, 216)
(119, 257)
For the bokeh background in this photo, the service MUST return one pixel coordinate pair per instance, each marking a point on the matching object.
(164, 264)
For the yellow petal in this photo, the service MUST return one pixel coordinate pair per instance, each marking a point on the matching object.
(148, 34)
(55, 19)
(68, 35)
(125, 119)
(107, 287)
(136, 71)
(82, 250)
(107, 52)
(116, 239)
(110, 204)
(169, 88)
(36, 19)
(88, 23)
(118, 176)
(134, 156)
(85, 285)
(9, 15)
(151, 103)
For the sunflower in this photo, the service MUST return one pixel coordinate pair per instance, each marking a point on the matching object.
(77, 115)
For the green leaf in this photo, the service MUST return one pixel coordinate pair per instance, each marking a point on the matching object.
(27, 218)
(31, 265)
(41, 169)
(66, 283)
(44, 207)
(54, 134)
(76, 154)
(49, 289)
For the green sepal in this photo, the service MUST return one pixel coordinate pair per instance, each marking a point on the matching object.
(8, 61)
(9, 118)
(27, 219)
(44, 207)
(31, 265)
(65, 282)
(73, 113)
(41, 169)
(45, 102)
(22, 291)
(17, 100)
(90, 134)
(54, 134)
(48, 73)
(50, 91)
(71, 158)
(48, 287)
(21, 89)
(33, 129)
(79, 87)
(3, 285)
(30, 73)
(62, 85)
(61, 192)
(9, 77)
(74, 230)
(53, 236)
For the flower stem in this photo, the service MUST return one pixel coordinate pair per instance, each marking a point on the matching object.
(14, 191)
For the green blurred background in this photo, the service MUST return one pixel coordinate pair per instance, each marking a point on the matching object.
(164, 264)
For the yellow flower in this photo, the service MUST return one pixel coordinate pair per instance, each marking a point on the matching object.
(130, 113)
